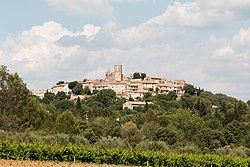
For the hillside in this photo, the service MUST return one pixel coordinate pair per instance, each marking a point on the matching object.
(197, 122)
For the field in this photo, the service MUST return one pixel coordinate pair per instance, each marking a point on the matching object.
(56, 155)
(19, 163)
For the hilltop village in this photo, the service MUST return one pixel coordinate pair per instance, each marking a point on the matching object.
(134, 87)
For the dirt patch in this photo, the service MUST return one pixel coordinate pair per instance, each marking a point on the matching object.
(19, 163)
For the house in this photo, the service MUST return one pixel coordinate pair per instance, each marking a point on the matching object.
(39, 93)
(133, 104)
(60, 88)
(149, 84)
(118, 87)
(135, 94)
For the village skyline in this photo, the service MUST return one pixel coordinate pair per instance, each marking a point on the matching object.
(131, 88)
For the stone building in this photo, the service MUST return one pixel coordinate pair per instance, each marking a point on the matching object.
(116, 75)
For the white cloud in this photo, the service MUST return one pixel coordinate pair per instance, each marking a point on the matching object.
(101, 8)
(226, 64)
(84, 7)
(225, 4)
(192, 15)
(50, 52)
(36, 52)
(129, 1)
(243, 37)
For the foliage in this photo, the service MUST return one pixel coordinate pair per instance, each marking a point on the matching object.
(198, 122)
(16, 103)
(61, 96)
(135, 157)
(106, 96)
(138, 75)
(48, 97)
(190, 89)
(78, 90)
(72, 85)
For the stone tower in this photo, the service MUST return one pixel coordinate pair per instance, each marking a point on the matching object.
(118, 73)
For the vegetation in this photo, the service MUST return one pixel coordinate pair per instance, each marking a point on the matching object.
(138, 75)
(199, 122)
(24, 151)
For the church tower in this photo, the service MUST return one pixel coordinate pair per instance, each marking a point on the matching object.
(118, 73)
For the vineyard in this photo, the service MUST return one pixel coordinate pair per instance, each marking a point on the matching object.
(135, 157)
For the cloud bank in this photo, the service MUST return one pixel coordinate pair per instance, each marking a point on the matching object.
(160, 46)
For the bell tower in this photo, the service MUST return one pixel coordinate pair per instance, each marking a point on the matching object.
(118, 73)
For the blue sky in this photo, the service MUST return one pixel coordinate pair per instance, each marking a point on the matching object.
(206, 43)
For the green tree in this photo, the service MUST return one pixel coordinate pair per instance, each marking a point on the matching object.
(63, 104)
(187, 122)
(235, 131)
(147, 96)
(210, 139)
(106, 96)
(149, 130)
(78, 90)
(15, 102)
(66, 123)
(166, 134)
(72, 85)
(143, 75)
(86, 91)
(78, 104)
(136, 75)
(190, 89)
(248, 103)
(61, 96)
(14, 94)
(172, 95)
(48, 97)
(131, 133)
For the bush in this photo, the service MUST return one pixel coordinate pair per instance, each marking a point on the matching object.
(153, 145)
(111, 142)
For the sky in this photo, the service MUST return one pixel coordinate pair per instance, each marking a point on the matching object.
(206, 43)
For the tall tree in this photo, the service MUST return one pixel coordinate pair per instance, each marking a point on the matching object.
(16, 102)
(14, 94)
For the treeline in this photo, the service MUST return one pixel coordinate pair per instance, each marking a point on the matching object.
(198, 122)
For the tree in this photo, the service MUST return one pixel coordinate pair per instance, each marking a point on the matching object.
(78, 104)
(61, 96)
(72, 85)
(131, 133)
(136, 75)
(48, 97)
(66, 123)
(190, 89)
(166, 134)
(63, 104)
(77, 90)
(172, 95)
(14, 95)
(248, 103)
(143, 75)
(60, 82)
(147, 95)
(106, 96)
(149, 130)
(15, 99)
(86, 91)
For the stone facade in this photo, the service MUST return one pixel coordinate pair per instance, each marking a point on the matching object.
(116, 75)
